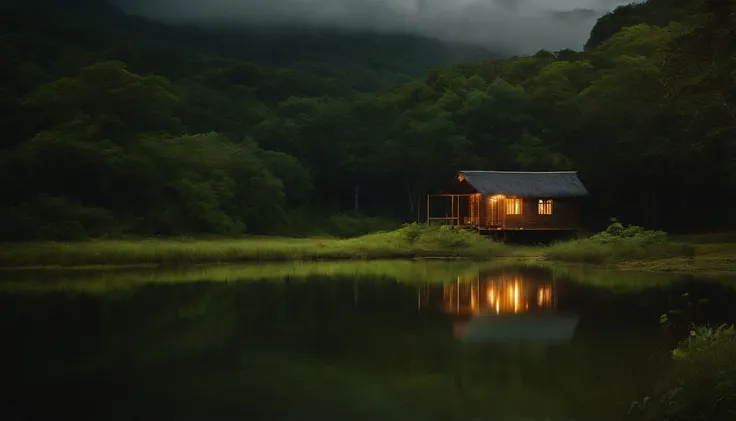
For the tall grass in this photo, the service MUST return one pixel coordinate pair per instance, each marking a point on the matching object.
(617, 244)
(412, 240)
(701, 385)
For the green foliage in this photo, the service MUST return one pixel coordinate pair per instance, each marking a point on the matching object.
(618, 243)
(109, 112)
(55, 218)
(311, 222)
(700, 384)
(617, 232)
(444, 236)
(345, 225)
(650, 12)
(451, 238)
(704, 339)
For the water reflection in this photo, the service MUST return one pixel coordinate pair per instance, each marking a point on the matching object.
(497, 293)
(501, 307)
(312, 342)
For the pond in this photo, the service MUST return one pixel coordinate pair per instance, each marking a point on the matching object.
(353, 341)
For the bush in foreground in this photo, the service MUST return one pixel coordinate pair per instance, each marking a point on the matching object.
(409, 241)
(701, 385)
(618, 243)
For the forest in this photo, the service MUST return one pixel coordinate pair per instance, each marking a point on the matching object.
(114, 125)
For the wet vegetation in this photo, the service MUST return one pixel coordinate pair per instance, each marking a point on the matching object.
(619, 243)
(699, 381)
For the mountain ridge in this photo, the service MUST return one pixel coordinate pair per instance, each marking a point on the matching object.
(98, 25)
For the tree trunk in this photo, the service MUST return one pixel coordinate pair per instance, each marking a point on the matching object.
(684, 214)
(653, 206)
(410, 194)
(357, 196)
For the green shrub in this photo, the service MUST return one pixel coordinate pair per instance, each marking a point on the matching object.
(701, 383)
(304, 222)
(54, 218)
(617, 232)
(618, 243)
(443, 240)
(412, 232)
(347, 226)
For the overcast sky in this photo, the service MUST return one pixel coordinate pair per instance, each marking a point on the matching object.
(522, 26)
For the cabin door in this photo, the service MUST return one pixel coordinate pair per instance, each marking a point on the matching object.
(494, 212)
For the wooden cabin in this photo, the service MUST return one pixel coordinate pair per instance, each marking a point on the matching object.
(512, 201)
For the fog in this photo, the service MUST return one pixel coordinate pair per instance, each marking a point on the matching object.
(519, 26)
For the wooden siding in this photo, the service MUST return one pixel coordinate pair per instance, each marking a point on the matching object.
(565, 215)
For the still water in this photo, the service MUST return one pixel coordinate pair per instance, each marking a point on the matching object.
(362, 341)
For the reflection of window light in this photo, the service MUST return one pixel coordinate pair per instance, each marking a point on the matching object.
(545, 207)
(513, 206)
(544, 297)
(507, 294)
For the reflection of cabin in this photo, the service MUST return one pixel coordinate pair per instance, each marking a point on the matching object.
(499, 293)
(501, 307)
(496, 294)
(513, 200)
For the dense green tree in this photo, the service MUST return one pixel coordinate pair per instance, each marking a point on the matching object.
(152, 129)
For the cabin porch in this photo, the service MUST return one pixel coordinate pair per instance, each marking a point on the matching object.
(472, 211)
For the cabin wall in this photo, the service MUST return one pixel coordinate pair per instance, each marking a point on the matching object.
(565, 215)
(482, 210)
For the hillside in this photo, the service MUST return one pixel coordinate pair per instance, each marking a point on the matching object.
(650, 12)
(338, 62)
(122, 131)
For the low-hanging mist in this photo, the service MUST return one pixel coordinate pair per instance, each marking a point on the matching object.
(519, 26)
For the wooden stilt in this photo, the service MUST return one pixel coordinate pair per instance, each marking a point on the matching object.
(428, 215)
(457, 221)
(452, 207)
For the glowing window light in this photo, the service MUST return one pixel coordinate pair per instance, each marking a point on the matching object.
(545, 207)
(513, 206)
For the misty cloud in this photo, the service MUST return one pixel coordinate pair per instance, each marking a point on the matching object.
(522, 26)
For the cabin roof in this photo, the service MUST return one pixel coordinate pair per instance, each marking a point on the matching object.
(556, 184)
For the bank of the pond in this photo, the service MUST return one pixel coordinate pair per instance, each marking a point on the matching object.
(408, 242)
(707, 259)
(633, 247)
(678, 256)
(618, 247)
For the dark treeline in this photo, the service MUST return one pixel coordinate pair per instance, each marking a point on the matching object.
(113, 124)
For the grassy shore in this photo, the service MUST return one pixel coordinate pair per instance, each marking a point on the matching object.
(619, 243)
(635, 248)
(410, 241)
(618, 247)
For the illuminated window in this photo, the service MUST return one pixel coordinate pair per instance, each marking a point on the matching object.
(545, 207)
(513, 206)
